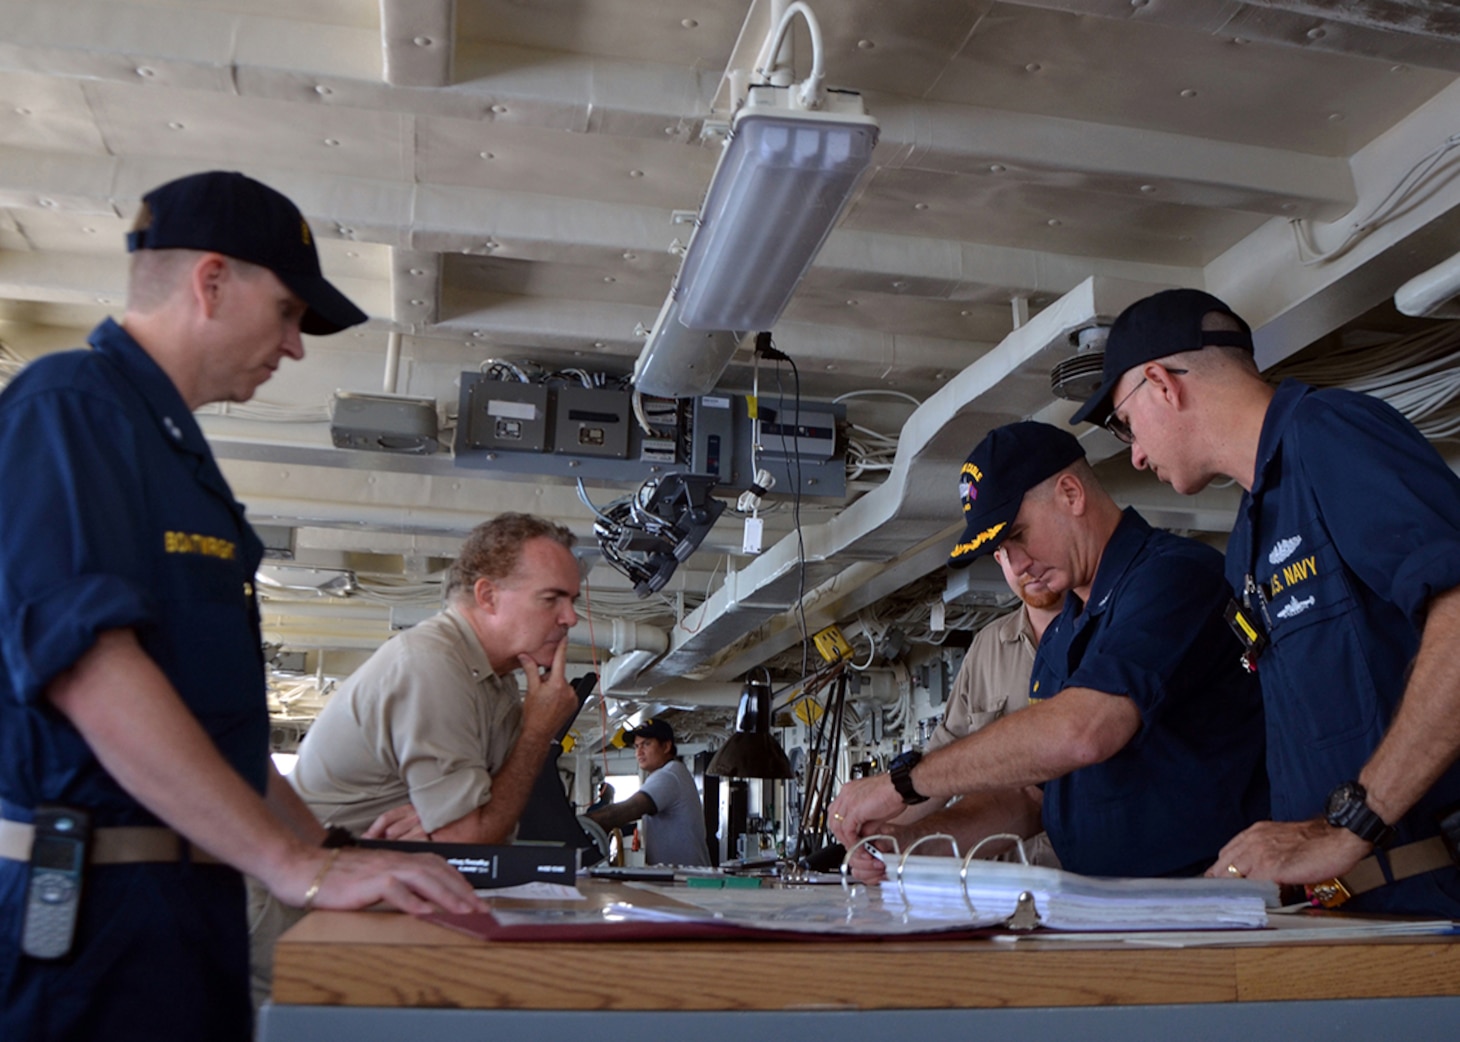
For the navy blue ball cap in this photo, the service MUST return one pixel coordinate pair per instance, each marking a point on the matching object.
(1163, 324)
(991, 485)
(652, 728)
(225, 212)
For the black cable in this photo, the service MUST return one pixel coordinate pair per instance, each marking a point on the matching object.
(765, 347)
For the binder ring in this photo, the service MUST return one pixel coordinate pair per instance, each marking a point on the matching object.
(1018, 845)
(847, 859)
(913, 846)
(968, 858)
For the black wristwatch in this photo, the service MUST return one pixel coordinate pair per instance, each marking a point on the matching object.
(901, 771)
(337, 836)
(1348, 808)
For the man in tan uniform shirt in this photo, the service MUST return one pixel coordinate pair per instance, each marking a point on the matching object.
(992, 682)
(430, 739)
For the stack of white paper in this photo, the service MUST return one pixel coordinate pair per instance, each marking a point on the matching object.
(986, 890)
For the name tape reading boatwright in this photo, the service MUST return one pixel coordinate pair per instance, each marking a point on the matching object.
(193, 543)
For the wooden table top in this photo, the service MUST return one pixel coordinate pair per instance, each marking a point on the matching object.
(388, 959)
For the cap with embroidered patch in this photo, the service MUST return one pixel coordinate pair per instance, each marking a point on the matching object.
(991, 485)
(226, 212)
(1165, 323)
(652, 728)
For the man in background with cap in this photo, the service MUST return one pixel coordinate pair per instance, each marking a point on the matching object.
(673, 818)
(1143, 731)
(134, 690)
(992, 682)
(1345, 560)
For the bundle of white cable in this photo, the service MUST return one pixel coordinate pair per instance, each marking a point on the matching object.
(1418, 374)
(749, 501)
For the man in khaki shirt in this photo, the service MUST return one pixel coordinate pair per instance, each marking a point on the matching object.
(429, 739)
(992, 682)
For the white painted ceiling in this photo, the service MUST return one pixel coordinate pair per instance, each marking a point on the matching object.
(498, 178)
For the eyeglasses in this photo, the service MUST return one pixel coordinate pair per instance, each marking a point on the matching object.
(1121, 428)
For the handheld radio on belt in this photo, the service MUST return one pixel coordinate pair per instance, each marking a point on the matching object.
(53, 895)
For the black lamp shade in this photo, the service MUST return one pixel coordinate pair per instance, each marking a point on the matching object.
(752, 751)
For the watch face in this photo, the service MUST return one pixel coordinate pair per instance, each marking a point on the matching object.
(907, 759)
(1339, 799)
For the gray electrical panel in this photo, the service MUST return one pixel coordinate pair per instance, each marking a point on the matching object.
(713, 446)
(530, 429)
(802, 450)
(384, 422)
(589, 421)
(502, 415)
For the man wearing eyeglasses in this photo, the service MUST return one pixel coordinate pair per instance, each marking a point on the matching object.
(1142, 747)
(1345, 559)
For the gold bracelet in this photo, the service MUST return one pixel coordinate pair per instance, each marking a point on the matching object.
(313, 891)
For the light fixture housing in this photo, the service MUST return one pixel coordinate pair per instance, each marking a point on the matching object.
(752, 751)
(1432, 294)
(785, 177)
(783, 180)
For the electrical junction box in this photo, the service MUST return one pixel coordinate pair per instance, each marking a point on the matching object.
(713, 449)
(384, 422)
(502, 415)
(800, 451)
(590, 421)
(532, 430)
(808, 435)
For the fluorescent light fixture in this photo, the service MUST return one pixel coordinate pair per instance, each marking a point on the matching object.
(336, 582)
(1433, 294)
(785, 177)
(679, 362)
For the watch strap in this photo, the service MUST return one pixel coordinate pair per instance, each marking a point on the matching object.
(901, 773)
(1355, 814)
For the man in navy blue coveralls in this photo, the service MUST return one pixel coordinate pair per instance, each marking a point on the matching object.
(1142, 728)
(1345, 559)
(134, 680)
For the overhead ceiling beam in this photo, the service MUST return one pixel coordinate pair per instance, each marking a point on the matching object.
(1128, 161)
(1292, 300)
(1414, 32)
(54, 276)
(155, 45)
(418, 38)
